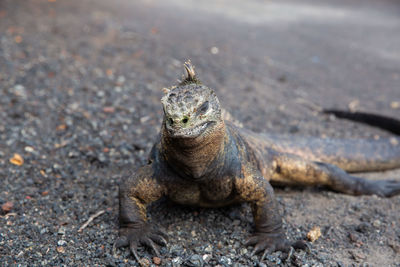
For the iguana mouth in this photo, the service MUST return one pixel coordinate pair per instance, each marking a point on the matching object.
(190, 132)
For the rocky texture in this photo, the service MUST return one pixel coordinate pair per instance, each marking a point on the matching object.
(80, 86)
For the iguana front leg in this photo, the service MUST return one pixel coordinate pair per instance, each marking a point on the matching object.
(135, 193)
(292, 169)
(269, 235)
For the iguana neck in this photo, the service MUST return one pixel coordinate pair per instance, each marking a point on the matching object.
(194, 157)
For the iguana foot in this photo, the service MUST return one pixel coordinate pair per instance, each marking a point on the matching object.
(133, 236)
(268, 243)
(382, 188)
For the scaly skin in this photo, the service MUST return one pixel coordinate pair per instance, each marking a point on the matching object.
(202, 160)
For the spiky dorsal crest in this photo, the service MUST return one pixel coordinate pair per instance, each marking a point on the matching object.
(191, 74)
(188, 79)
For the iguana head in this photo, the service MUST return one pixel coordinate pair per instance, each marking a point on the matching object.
(190, 109)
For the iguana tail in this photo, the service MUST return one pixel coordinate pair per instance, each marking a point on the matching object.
(389, 124)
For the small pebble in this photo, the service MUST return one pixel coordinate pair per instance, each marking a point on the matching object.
(395, 104)
(61, 242)
(214, 50)
(29, 149)
(7, 207)
(364, 228)
(144, 262)
(157, 260)
(225, 261)
(208, 249)
(207, 258)
(17, 160)
(377, 223)
(314, 234)
(177, 262)
(195, 261)
(61, 230)
(121, 79)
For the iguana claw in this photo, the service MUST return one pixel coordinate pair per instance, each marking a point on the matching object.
(268, 243)
(144, 235)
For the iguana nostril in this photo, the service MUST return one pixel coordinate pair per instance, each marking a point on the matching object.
(185, 120)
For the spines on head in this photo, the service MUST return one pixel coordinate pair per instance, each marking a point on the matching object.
(190, 108)
(190, 74)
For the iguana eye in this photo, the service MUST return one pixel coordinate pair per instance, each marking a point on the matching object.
(203, 108)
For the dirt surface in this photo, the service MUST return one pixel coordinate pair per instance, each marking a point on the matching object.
(80, 85)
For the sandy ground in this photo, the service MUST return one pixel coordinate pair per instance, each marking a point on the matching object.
(80, 83)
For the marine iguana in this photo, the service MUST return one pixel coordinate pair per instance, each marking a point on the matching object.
(201, 159)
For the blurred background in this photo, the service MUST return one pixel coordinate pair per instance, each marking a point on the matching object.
(273, 54)
(80, 89)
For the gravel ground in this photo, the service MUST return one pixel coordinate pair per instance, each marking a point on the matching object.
(80, 83)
